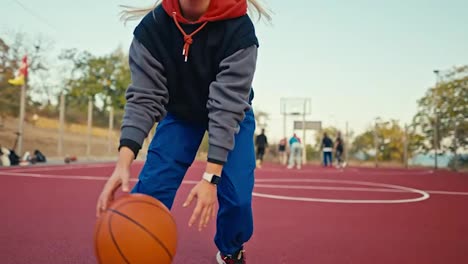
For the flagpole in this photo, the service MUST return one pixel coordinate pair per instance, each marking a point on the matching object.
(21, 117)
(21, 79)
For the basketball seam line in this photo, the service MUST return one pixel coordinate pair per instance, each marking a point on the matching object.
(146, 230)
(165, 209)
(109, 224)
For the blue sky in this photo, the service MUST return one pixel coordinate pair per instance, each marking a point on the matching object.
(356, 60)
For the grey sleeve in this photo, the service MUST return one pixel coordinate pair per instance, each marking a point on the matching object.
(228, 100)
(146, 97)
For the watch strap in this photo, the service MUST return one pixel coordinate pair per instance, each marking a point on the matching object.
(211, 178)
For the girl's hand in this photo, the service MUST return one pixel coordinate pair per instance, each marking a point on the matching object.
(120, 177)
(206, 194)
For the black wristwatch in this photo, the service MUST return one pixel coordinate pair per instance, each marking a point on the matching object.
(211, 178)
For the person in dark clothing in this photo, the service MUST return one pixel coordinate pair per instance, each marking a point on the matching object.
(327, 149)
(39, 156)
(339, 151)
(261, 142)
(282, 151)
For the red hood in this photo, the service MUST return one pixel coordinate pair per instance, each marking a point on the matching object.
(218, 10)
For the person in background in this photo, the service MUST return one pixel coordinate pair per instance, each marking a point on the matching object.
(282, 151)
(261, 142)
(339, 151)
(327, 149)
(4, 157)
(26, 159)
(39, 157)
(295, 157)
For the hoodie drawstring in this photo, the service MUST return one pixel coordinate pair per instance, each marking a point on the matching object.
(187, 38)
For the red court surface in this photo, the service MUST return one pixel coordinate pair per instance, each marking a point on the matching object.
(312, 216)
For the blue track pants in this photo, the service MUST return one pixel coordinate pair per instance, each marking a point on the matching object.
(171, 153)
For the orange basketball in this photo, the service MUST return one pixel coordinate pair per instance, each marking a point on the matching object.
(135, 229)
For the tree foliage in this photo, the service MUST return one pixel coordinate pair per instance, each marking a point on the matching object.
(390, 138)
(104, 79)
(445, 108)
(8, 94)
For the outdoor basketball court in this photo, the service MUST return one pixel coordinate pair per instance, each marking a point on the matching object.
(316, 215)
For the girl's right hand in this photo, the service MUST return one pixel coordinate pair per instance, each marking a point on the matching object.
(120, 177)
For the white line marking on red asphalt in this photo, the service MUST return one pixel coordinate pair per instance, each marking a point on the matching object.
(257, 185)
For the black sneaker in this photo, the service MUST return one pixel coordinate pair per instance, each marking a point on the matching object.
(238, 258)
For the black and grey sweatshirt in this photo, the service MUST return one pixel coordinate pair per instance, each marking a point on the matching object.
(212, 87)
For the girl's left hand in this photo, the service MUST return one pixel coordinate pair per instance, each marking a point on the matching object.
(206, 194)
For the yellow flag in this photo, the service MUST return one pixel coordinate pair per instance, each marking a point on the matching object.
(22, 72)
(18, 81)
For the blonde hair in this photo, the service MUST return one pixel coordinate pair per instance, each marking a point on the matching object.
(134, 13)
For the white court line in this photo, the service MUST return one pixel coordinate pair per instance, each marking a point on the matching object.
(396, 173)
(301, 171)
(70, 177)
(64, 177)
(57, 168)
(258, 185)
(353, 189)
(424, 195)
(447, 192)
(328, 188)
(322, 171)
(354, 170)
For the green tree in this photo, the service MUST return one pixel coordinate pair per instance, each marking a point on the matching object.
(363, 143)
(390, 138)
(9, 103)
(445, 107)
(312, 153)
(390, 141)
(103, 78)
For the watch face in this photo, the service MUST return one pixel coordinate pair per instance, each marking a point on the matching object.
(215, 179)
